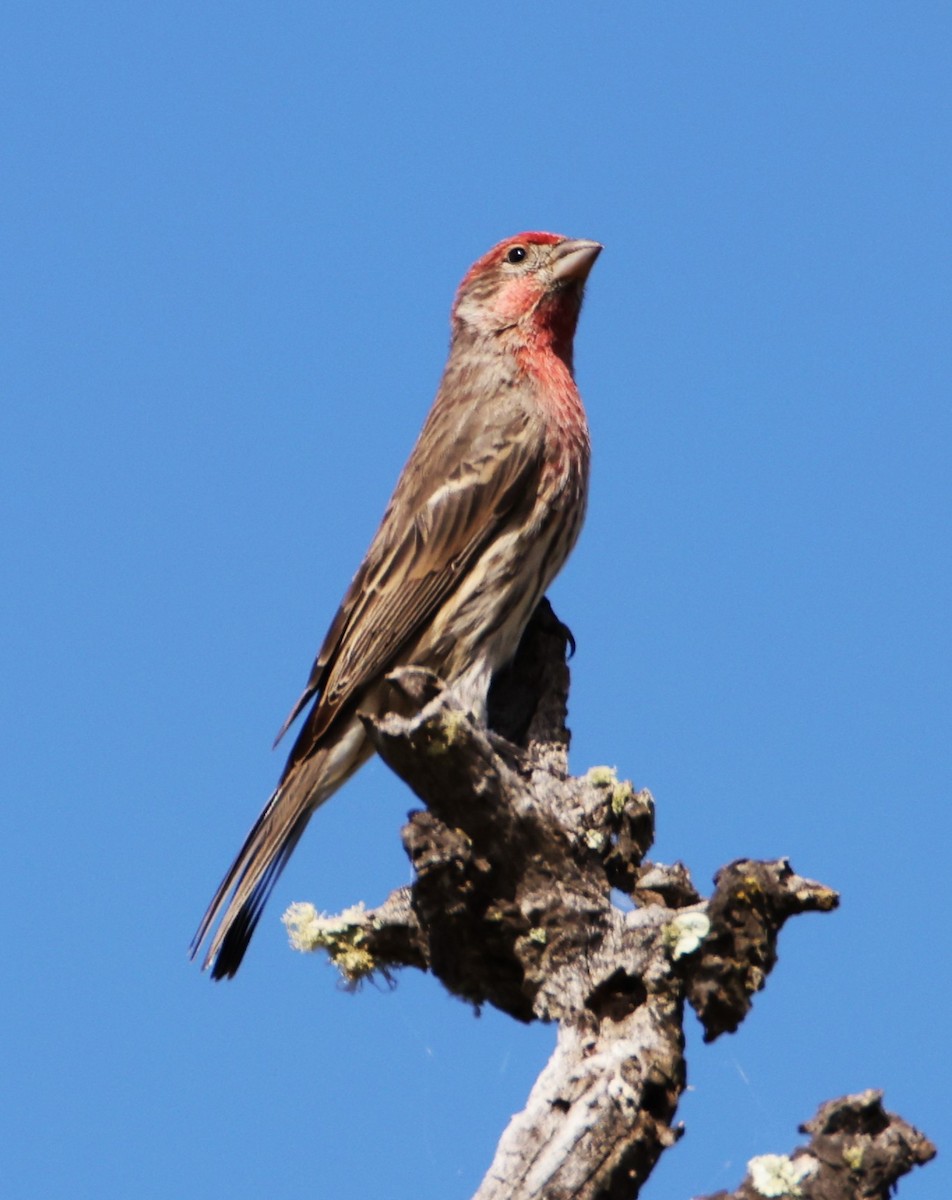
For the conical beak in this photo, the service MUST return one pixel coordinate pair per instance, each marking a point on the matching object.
(574, 259)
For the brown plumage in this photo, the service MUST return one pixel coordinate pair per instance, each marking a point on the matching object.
(484, 514)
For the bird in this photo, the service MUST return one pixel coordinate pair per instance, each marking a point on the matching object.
(484, 514)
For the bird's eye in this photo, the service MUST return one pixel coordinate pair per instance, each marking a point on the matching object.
(516, 254)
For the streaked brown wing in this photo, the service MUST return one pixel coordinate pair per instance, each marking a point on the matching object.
(427, 541)
(331, 641)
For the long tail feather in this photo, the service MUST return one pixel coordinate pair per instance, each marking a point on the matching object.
(243, 893)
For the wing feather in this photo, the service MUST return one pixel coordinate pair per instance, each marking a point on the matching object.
(428, 539)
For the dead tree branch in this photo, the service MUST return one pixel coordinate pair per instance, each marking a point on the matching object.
(857, 1151)
(515, 864)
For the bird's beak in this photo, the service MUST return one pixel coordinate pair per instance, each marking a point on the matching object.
(574, 259)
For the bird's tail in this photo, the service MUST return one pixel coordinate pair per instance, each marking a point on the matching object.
(246, 887)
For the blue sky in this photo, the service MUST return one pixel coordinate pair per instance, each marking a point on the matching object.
(231, 237)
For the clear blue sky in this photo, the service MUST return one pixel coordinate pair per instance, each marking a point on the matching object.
(232, 233)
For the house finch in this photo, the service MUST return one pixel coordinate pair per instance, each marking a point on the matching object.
(484, 514)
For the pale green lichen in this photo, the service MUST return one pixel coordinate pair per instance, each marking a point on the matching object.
(450, 725)
(538, 935)
(354, 963)
(685, 933)
(853, 1157)
(343, 937)
(302, 922)
(601, 777)
(607, 777)
(595, 839)
(621, 795)
(776, 1175)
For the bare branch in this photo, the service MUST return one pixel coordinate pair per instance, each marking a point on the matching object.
(857, 1151)
(512, 905)
(750, 905)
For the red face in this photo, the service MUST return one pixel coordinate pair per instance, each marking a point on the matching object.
(532, 280)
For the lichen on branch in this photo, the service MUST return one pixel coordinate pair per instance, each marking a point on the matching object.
(516, 866)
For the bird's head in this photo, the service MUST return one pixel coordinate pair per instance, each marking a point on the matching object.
(532, 284)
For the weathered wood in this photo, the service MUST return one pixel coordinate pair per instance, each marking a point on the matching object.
(516, 867)
(857, 1151)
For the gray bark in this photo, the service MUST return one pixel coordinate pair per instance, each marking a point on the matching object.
(515, 863)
